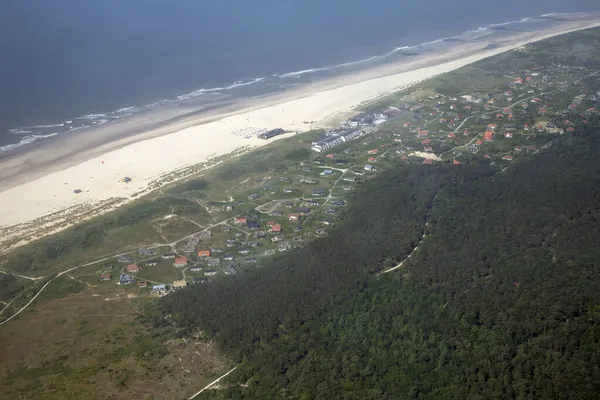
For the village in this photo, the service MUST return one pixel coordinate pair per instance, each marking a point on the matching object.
(503, 115)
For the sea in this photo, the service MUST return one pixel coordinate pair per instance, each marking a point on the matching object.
(72, 65)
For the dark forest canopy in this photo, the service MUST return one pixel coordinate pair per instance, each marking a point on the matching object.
(501, 300)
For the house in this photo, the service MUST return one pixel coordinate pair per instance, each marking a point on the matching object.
(228, 257)
(327, 172)
(213, 262)
(404, 158)
(374, 151)
(125, 279)
(478, 142)
(179, 284)
(428, 149)
(276, 228)
(254, 196)
(508, 135)
(180, 262)
(244, 251)
(145, 252)
(229, 207)
(159, 288)
(168, 256)
(422, 134)
(260, 234)
(427, 161)
(318, 192)
(199, 280)
(507, 158)
(105, 277)
(372, 159)
(253, 224)
(488, 136)
(151, 263)
(369, 167)
(338, 202)
(196, 268)
(303, 210)
(204, 253)
(330, 156)
(452, 135)
(230, 270)
(124, 258)
(211, 272)
(133, 268)
(519, 81)
(293, 217)
(241, 220)
(456, 162)
(142, 284)
(313, 202)
(205, 234)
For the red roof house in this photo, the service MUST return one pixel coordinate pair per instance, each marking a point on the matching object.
(276, 228)
(331, 156)
(241, 220)
(180, 262)
(427, 161)
(488, 136)
(372, 159)
(426, 141)
(133, 268)
(204, 253)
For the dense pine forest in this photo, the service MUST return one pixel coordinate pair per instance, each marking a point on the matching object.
(501, 300)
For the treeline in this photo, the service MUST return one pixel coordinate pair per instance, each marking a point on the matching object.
(502, 299)
(384, 222)
(39, 254)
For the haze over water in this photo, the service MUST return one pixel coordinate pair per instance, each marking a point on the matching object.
(68, 64)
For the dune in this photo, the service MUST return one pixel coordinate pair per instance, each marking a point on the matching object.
(41, 200)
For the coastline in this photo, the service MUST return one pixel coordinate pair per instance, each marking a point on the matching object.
(39, 182)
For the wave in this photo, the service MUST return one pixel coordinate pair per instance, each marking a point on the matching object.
(26, 140)
(44, 126)
(19, 131)
(278, 79)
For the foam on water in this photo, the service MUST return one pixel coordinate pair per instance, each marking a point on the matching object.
(281, 80)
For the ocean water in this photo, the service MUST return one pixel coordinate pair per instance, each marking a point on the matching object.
(67, 65)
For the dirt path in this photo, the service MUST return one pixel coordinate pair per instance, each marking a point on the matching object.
(212, 383)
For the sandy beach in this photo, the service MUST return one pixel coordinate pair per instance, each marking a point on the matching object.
(36, 193)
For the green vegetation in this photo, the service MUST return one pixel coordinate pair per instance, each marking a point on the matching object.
(501, 299)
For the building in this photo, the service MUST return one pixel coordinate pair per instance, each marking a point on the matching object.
(210, 272)
(294, 217)
(276, 228)
(272, 133)
(179, 284)
(105, 277)
(125, 279)
(124, 258)
(205, 235)
(253, 224)
(369, 167)
(180, 262)
(204, 253)
(142, 284)
(133, 268)
(241, 220)
(168, 256)
(488, 136)
(145, 252)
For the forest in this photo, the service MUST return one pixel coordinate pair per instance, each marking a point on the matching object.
(501, 300)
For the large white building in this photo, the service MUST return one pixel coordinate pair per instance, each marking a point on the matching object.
(334, 140)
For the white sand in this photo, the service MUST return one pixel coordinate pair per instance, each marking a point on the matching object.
(147, 159)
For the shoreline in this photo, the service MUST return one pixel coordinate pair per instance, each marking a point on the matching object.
(47, 175)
